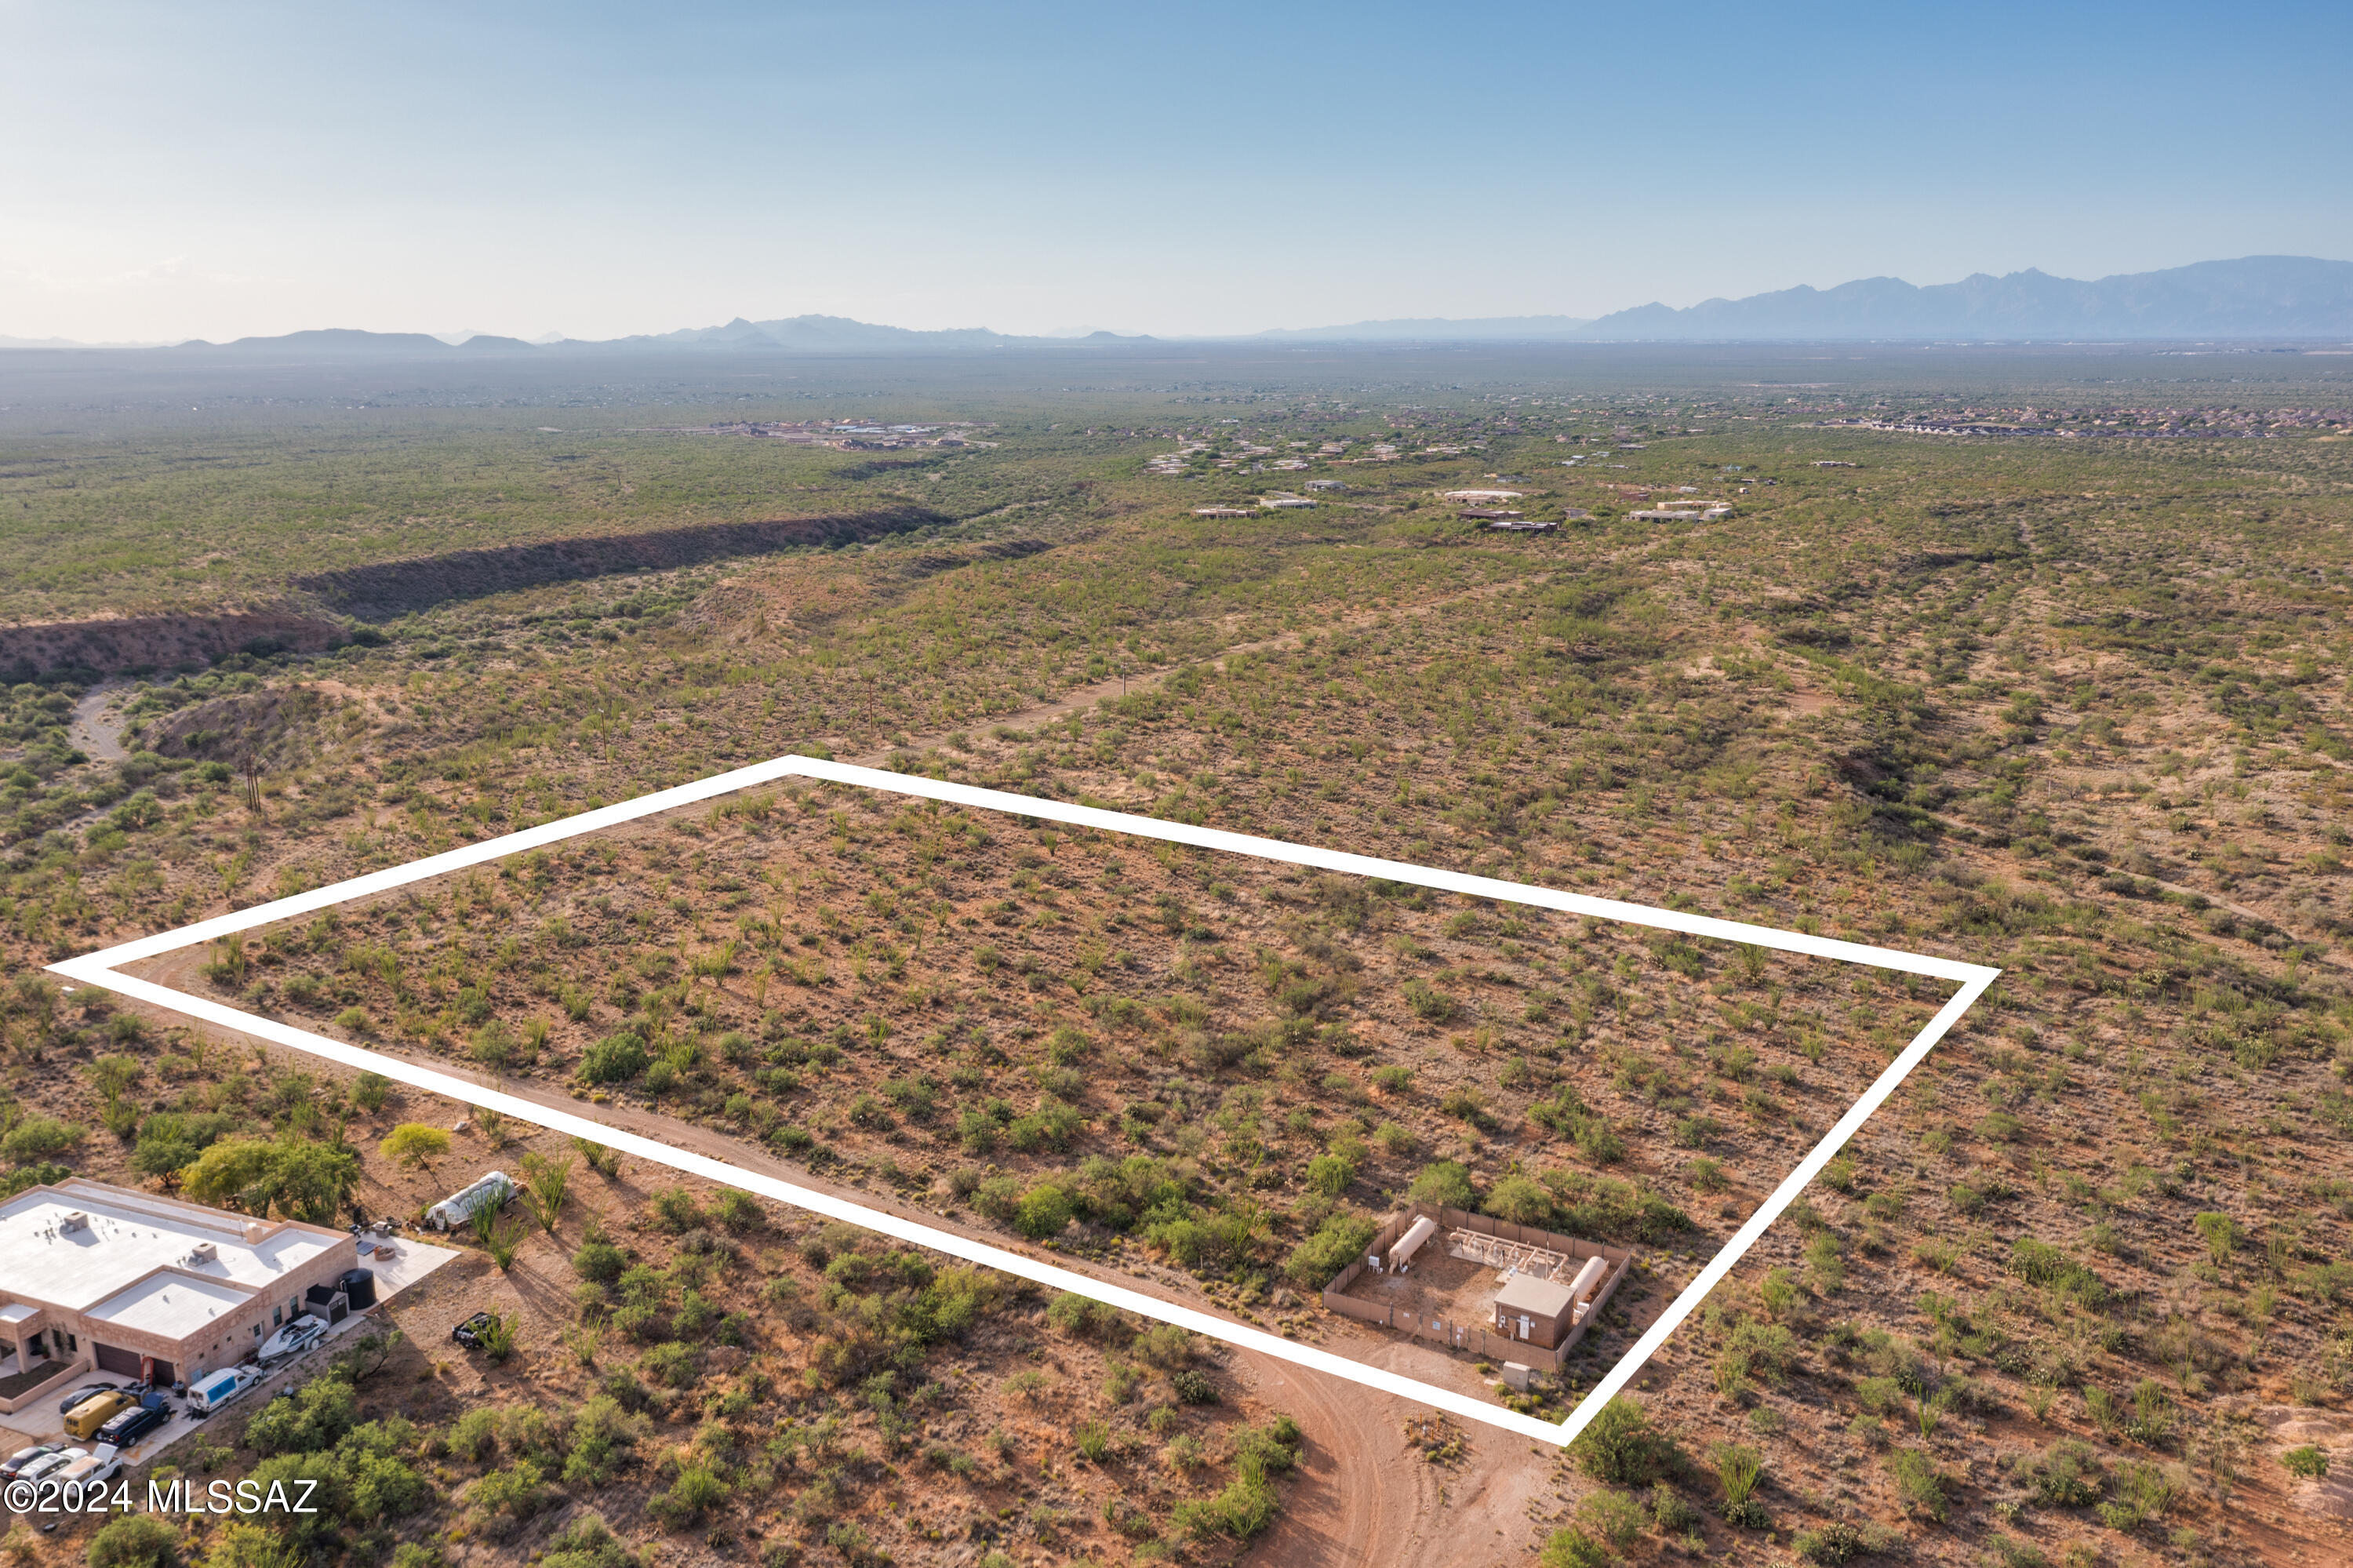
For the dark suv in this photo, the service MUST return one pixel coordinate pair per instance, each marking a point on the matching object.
(130, 1425)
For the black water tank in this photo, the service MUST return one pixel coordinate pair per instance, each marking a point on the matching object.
(359, 1284)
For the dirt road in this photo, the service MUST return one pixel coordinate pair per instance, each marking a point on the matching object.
(97, 734)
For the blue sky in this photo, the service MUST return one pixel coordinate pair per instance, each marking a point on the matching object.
(223, 169)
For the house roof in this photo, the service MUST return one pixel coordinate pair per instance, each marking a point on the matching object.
(127, 1235)
(170, 1304)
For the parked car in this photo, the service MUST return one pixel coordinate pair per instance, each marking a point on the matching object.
(293, 1340)
(14, 1465)
(213, 1390)
(469, 1333)
(51, 1463)
(98, 1466)
(84, 1391)
(130, 1425)
(83, 1420)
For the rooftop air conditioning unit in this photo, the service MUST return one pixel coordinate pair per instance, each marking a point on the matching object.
(76, 1221)
(202, 1253)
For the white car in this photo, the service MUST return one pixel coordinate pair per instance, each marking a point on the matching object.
(46, 1467)
(101, 1465)
(292, 1339)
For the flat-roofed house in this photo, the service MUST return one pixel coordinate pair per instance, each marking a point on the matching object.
(142, 1286)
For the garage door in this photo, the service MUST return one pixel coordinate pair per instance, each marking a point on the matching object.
(111, 1359)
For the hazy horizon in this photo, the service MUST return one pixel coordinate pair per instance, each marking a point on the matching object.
(598, 175)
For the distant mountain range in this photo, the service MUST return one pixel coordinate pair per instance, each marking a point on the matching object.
(2254, 297)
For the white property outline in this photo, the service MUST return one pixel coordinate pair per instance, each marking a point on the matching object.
(101, 969)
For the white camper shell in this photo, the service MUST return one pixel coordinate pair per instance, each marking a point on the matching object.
(213, 1390)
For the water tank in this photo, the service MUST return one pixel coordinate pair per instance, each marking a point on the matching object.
(359, 1285)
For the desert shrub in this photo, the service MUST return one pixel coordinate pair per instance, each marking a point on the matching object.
(1164, 1346)
(1249, 1503)
(1192, 1387)
(676, 1210)
(371, 1090)
(1670, 1512)
(1574, 1549)
(1620, 1446)
(1838, 1543)
(2143, 1492)
(1612, 1517)
(1917, 1483)
(1445, 1182)
(475, 1434)
(615, 1059)
(1045, 1210)
(1338, 1242)
(737, 1211)
(599, 1260)
(310, 1419)
(1520, 1201)
(135, 1540)
(587, 1543)
(601, 1436)
(504, 1498)
(37, 1138)
(697, 1489)
(2040, 1264)
(2307, 1463)
(2221, 1234)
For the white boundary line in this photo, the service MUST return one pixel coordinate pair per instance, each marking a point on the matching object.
(102, 970)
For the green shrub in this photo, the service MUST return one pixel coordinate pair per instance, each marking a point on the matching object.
(1044, 1210)
(1620, 1447)
(1445, 1183)
(1917, 1483)
(697, 1489)
(2307, 1462)
(1612, 1517)
(310, 1419)
(2067, 1475)
(587, 1543)
(1520, 1201)
(1340, 1241)
(1838, 1543)
(135, 1540)
(37, 1138)
(2221, 1233)
(599, 1260)
(615, 1059)
(1574, 1549)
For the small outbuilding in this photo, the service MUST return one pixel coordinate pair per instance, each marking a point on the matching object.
(1539, 1311)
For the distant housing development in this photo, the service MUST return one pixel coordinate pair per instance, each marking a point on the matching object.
(147, 1287)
